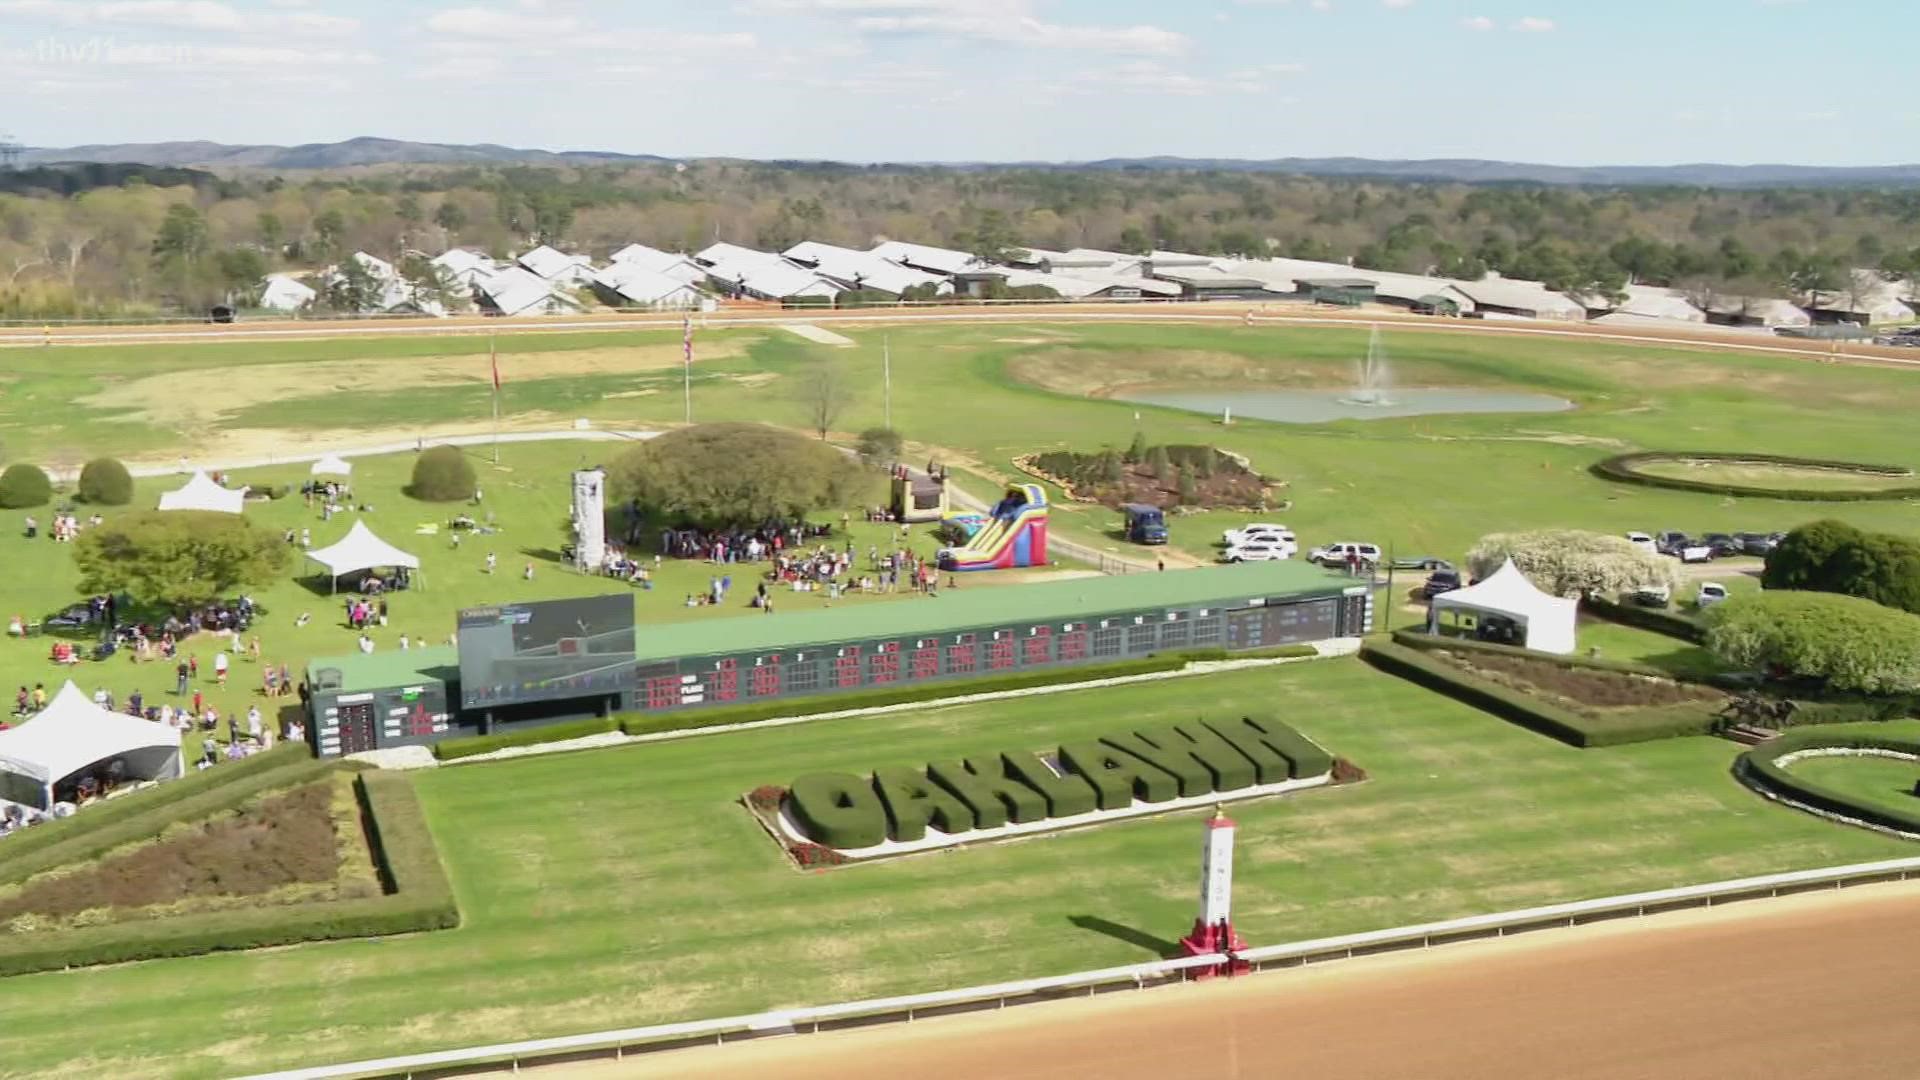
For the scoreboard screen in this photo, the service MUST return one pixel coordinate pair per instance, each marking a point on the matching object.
(546, 650)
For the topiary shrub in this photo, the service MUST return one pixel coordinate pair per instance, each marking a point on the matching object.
(24, 485)
(838, 810)
(442, 474)
(105, 482)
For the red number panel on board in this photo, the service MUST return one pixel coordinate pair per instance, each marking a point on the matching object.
(726, 680)
(925, 663)
(663, 692)
(884, 665)
(846, 667)
(766, 677)
(1000, 652)
(1073, 644)
(1035, 646)
(961, 656)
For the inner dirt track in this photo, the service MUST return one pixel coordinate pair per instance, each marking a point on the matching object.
(1811, 987)
(1208, 312)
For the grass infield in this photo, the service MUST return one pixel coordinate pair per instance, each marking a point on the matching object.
(625, 886)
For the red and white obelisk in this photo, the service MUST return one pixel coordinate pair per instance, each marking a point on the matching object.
(1213, 930)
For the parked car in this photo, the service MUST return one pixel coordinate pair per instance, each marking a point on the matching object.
(1653, 596)
(1145, 524)
(1422, 562)
(1278, 534)
(1711, 593)
(1682, 547)
(1753, 543)
(1440, 581)
(1259, 549)
(1723, 545)
(1641, 540)
(1335, 555)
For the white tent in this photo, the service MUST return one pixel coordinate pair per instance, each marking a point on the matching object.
(201, 493)
(72, 734)
(1545, 622)
(361, 550)
(332, 466)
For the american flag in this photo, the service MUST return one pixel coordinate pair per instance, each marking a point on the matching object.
(686, 340)
(493, 358)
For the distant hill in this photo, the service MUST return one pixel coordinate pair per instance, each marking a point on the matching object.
(361, 151)
(76, 178)
(374, 151)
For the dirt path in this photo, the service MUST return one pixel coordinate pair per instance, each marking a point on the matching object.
(1814, 987)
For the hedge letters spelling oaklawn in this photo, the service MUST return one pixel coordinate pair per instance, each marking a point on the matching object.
(1150, 764)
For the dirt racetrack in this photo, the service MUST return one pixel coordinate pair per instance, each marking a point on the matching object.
(1813, 987)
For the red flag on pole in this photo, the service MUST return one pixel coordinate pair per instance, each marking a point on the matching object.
(493, 358)
(686, 340)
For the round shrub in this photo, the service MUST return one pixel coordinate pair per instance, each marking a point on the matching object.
(105, 482)
(442, 474)
(24, 485)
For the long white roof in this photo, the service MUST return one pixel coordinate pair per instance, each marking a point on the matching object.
(551, 264)
(936, 259)
(518, 291)
(859, 269)
(642, 285)
(770, 277)
(679, 267)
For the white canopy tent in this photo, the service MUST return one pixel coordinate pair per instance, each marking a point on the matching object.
(361, 550)
(72, 734)
(201, 493)
(332, 466)
(1545, 623)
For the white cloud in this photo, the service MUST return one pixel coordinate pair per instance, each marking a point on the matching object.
(197, 16)
(1396, 4)
(1533, 24)
(997, 22)
(502, 24)
(1321, 5)
(1477, 22)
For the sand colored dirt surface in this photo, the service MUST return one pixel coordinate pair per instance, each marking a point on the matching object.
(204, 397)
(1812, 987)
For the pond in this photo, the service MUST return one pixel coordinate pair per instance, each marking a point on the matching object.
(1320, 406)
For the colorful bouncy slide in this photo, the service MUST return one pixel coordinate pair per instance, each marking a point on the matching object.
(1015, 534)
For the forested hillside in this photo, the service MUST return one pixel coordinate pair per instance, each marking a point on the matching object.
(138, 246)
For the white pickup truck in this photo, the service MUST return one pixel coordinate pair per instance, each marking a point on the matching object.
(1335, 555)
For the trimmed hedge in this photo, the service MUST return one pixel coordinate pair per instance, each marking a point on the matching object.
(129, 817)
(23, 486)
(913, 802)
(454, 749)
(982, 785)
(1531, 712)
(1117, 777)
(839, 810)
(1435, 643)
(105, 482)
(402, 844)
(1625, 469)
(1758, 767)
(442, 474)
(1066, 795)
(1654, 619)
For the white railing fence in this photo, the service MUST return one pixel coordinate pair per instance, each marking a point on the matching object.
(655, 1038)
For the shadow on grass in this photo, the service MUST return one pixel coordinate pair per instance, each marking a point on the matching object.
(1160, 947)
(540, 554)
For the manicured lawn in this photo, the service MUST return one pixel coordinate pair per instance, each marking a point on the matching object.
(626, 886)
(1630, 644)
(1874, 780)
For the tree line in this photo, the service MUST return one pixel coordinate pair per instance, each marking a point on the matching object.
(130, 242)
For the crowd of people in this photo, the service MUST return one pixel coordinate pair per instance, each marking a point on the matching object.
(733, 545)
(64, 527)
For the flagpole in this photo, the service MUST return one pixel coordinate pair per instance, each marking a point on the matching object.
(886, 381)
(686, 367)
(493, 356)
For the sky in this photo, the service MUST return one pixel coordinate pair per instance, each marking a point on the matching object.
(1577, 82)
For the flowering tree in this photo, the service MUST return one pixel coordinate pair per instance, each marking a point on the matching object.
(1570, 562)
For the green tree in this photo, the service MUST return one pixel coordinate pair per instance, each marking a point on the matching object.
(1189, 491)
(179, 558)
(273, 235)
(1137, 449)
(431, 284)
(352, 288)
(880, 446)
(449, 216)
(1571, 562)
(1161, 465)
(240, 271)
(23, 485)
(1832, 556)
(329, 230)
(719, 475)
(105, 482)
(442, 474)
(1840, 642)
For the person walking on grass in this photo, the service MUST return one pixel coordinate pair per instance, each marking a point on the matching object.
(528, 573)
(253, 723)
(180, 678)
(39, 696)
(220, 668)
(491, 562)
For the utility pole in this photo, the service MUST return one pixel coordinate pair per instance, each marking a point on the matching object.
(886, 381)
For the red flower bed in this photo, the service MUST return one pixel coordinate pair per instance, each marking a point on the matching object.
(1346, 772)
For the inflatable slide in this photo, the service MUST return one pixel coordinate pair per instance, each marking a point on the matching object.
(1015, 534)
